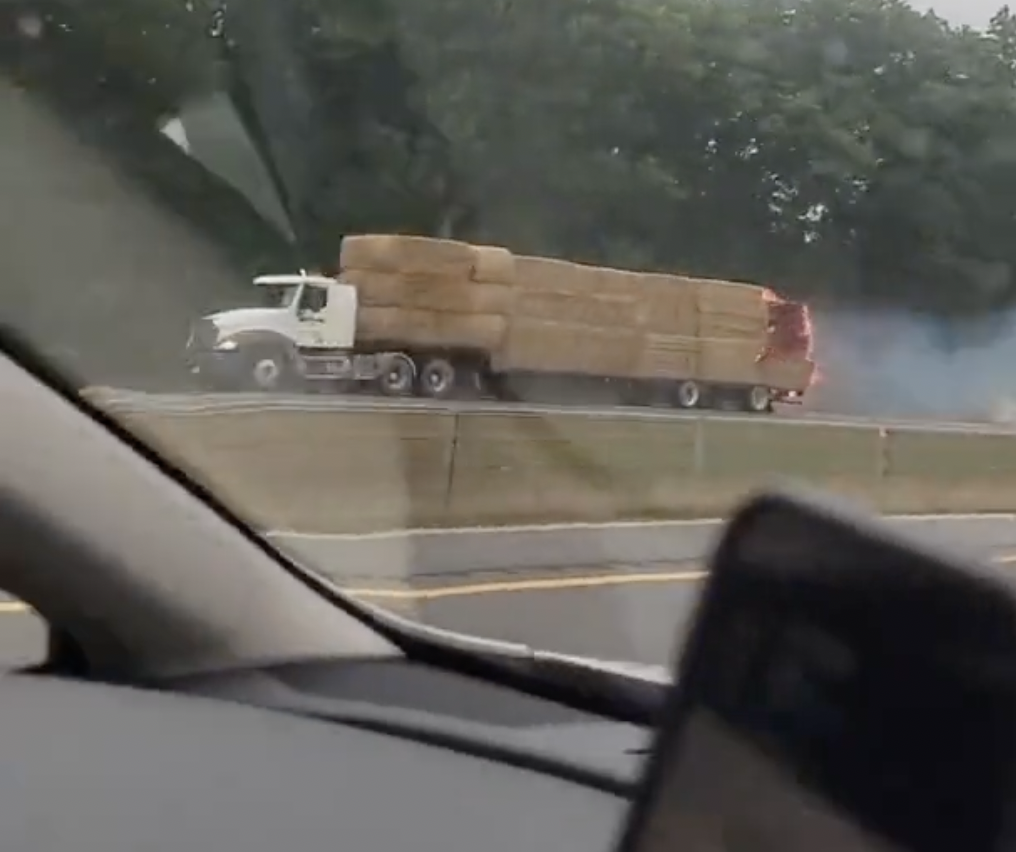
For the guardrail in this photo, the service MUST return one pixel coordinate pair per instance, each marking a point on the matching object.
(350, 471)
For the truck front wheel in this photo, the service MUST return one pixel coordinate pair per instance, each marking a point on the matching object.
(268, 368)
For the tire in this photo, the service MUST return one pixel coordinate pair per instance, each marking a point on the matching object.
(269, 369)
(688, 395)
(758, 400)
(398, 377)
(437, 378)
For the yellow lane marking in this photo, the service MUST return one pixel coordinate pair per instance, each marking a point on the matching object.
(548, 584)
(541, 585)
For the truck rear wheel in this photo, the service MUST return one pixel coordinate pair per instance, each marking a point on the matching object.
(397, 377)
(688, 394)
(758, 400)
(437, 378)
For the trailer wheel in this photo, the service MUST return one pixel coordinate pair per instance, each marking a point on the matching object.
(688, 395)
(397, 377)
(437, 378)
(759, 400)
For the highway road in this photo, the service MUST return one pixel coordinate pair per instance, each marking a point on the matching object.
(639, 615)
(635, 614)
(632, 616)
(213, 403)
(620, 591)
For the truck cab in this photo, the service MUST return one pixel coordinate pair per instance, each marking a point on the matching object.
(314, 312)
(302, 329)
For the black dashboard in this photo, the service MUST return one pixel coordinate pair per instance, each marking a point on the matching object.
(110, 768)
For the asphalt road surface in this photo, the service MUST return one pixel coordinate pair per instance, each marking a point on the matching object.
(636, 615)
(639, 616)
(636, 618)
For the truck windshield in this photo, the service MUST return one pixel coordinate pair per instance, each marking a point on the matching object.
(279, 295)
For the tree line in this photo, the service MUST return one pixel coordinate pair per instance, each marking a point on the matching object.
(843, 151)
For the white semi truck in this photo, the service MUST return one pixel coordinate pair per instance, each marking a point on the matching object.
(304, 336)
(303, 333)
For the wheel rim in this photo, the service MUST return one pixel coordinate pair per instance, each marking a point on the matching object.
(437, 378)
(266, 373)
(688, 395)
(397, 378)
(759, 399)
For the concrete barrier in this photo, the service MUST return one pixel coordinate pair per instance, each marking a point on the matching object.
(333, 471)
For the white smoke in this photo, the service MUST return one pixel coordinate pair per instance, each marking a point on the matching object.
(906, 365)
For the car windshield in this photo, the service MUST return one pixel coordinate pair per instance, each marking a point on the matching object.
(589, 271)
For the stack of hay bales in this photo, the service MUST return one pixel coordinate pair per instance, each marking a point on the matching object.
(787, 373)
(698, 328)
(669, 345)
(570, 318)
(548, 315)
(428, 293)
(733, 320)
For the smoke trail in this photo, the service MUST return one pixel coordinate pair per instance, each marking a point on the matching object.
(906, 365)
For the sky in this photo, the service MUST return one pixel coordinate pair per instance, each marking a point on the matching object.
(975, 13)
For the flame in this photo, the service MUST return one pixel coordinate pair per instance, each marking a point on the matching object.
(770, 297)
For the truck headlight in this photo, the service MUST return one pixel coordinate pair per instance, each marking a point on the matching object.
(225, 346)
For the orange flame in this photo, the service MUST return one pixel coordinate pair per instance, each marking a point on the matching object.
(807, 330)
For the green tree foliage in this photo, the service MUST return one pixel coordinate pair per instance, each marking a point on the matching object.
(840, 150)
(843, 149)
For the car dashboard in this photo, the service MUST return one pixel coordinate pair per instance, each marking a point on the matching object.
(110, 768)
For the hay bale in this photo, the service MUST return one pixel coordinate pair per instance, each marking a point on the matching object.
(549, 275)
(730, 361)
(407, 254)
(668, 304)
(620, 283)
(493, 264)
(587, 309)
(731, 309)
(562, 347)
(668, 356)
(429, 292)
(787, 373)
(401, 327)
